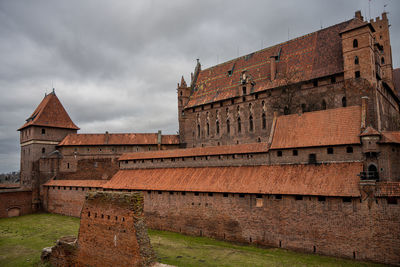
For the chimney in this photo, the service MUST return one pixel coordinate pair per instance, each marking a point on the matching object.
(107, 137)
(358, 15)
(271, 134)
(273, 67)
(364, 106)
(159, 139)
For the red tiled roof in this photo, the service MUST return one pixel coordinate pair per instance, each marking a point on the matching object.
(198, 151)
(117, 139)
(338, 179)
(50, 113)
(390, 137)
(396, 80)
(387, 189)
(307, 57)
(370, 131)
(330, 127)
(76, 183)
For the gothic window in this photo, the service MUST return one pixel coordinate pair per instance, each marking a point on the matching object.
(357, 74)
(355, 43)
(356, 62)
(208, 129)
(344, 102)
(382, 60)
(373, 172)
(323, 104)
(239, 125)
(251, 126)
(264, 121)
(228, 127)
(198, 130)
(217, 127)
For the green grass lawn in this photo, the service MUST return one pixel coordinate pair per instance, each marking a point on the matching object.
(22, 239)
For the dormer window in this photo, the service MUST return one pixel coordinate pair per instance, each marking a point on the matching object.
(355, 43)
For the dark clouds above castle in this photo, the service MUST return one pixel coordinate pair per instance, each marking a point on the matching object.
(115, 64)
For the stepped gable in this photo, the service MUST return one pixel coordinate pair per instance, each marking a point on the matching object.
(198, 151)
(340, 126)
(307, 57)
(396, 80)
(117, 139)
(50, 113)
(337, 179)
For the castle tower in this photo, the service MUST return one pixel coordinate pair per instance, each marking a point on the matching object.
(382, 37)
(358, 50)
(40, 134)
(183, 99)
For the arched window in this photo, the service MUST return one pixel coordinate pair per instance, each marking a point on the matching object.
(217, 127)
(43, 150)
(264, 121)
(228, 126)
(355, 43)
(251, 126)
(356, 62)
(323, 105)
(344, 102)
(382, 60)
(208, 129)
(198, 130)
(239, 125)
(43, 131)
(373, 172)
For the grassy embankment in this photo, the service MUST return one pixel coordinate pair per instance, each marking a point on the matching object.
(22, 239)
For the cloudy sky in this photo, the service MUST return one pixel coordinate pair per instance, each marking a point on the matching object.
(115, 64)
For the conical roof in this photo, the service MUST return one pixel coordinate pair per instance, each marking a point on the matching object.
(50, 113)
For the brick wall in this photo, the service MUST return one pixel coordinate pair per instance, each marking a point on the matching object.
(365, 231)
(14, 202)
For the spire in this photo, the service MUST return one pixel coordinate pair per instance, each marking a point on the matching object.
(196, 74)
(183, 82)
(50, 113)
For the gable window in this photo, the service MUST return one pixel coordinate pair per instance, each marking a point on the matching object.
(43, 131)
(355, 43)
(251, 126)
(264, 121)
(356, 62)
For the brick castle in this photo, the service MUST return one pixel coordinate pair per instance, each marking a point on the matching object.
(294, 146)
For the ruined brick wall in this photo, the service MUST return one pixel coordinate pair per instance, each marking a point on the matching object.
(15, 203)
(65, 200)
(364, 230)
(112, 231)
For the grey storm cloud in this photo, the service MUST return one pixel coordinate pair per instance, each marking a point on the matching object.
(115, 64)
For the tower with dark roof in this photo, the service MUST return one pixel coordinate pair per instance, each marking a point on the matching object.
(39, 135)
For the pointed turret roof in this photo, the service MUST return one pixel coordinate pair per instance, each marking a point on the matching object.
(50, 113)
(183, 82)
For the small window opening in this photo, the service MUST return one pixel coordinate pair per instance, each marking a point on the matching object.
(295, 152)
(392, 200)
(299, 197)
(355, 43)
(279, 153)
(208, 129)
(321, 198)
(329, 150)
(196, 193)
(228, 127)
(315, 83)
(356, 61)
(89, 214)
(333, 79)
(67, 165)
(344, 102)
(43, 150)
(303, 108)
(278, 196)
(258, 196)
(198, 130)
(225, 194)
(244, 89)
(241, 195)
(346, 199)
(264, 121)
(349, 149)
(239, 125)
(312, 158)
(210, 194)
(314, 249)
(251, 125)
(43, 131)
(171, 193)
(183, 193)
(323, 105)
(217, 127)
(382, 60)
(357, 74)
(148, 192)
(159, 192)
(286, 111)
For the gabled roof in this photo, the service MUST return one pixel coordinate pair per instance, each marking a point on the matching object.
(198, 151)
(387, 189)
(310, 56)
(370, 131)
(118, 139)
(50, 113)
(340, 126)
(338, 179)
